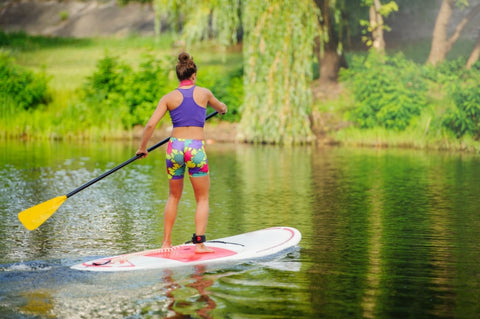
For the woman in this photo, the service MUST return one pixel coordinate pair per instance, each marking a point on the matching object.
(187, 106)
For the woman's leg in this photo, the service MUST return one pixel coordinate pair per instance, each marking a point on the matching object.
(201, 188)
(170, 214)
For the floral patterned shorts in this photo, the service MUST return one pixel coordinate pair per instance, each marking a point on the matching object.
(183, 153)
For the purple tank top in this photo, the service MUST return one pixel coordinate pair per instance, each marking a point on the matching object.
(188, 113)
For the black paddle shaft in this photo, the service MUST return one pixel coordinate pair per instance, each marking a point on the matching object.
(113, 170)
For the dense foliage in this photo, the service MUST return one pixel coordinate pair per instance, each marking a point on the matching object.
(463, 87)
(131, 95)
(465, 118)
(388, 91)
(391, 91)
(24, 88)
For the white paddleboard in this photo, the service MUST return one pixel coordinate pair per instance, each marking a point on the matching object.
(257, 244)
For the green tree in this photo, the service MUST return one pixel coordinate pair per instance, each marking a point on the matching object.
(278, 48)
(376, 25)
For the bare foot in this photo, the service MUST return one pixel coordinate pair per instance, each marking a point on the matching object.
(202, 249)
(166, 245)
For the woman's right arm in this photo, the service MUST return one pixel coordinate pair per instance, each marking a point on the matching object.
(151, 124)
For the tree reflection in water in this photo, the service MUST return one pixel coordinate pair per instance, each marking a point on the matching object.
(200, 284)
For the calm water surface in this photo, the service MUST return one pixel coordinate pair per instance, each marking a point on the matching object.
(386, 233)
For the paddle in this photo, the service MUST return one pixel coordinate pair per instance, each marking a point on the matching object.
(35, 216)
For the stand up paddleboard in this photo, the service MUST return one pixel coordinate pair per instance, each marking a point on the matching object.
(257, 244)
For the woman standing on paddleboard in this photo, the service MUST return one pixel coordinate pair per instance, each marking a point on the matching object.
(188, 107)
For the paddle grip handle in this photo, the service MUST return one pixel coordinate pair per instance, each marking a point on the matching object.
(113, 170)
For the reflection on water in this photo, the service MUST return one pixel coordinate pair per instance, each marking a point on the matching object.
(386, 233)
(201, 304)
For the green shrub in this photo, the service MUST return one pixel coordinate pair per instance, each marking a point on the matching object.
(465, 117)
(448, 75)
(460, 86)
(147, 86)
(25, 88)
(63, 15)
(229, 90)
(388, 91)
(131, 96)
(108, 77)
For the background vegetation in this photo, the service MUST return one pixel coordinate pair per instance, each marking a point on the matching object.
(402, 103)
(98, 88)
(101, 88)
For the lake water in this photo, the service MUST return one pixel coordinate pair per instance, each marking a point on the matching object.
(386, 233)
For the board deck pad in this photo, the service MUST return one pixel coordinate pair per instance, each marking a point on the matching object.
(245, 246)
(187, 254)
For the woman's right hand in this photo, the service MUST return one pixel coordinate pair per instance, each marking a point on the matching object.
(142, 152)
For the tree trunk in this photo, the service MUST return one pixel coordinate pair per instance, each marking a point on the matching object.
(475, 54)
(441, 44)
(329, 59)
(330, 64)
(439, 51)
(376, 23)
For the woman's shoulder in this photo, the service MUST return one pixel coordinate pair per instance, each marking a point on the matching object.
(203, 90)
(173, 98)
(175, 94)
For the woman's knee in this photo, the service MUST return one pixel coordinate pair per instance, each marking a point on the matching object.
(201, 188)
(176, 189)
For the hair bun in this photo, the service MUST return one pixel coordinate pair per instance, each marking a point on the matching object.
(185, 66)
(184, 58)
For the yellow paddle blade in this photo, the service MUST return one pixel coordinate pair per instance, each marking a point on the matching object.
(35, 216)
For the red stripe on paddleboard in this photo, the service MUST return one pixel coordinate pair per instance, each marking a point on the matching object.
(292, 234)
(186, 254)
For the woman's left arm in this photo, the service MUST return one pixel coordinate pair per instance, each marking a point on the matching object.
(216, 104)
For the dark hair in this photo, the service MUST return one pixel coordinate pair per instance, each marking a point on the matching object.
(185, 66)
